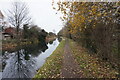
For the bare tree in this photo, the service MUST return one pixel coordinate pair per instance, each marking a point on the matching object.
(18, 15)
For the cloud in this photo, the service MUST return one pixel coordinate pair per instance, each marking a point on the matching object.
(42, 13)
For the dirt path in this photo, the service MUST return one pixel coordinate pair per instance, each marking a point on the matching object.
(70, 68)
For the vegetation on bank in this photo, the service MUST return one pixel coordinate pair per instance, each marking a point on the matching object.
(50, 38)
(12, 44)
(52, 66)
(30, 35)
(91, 66)
(95, 26)
(23, 32)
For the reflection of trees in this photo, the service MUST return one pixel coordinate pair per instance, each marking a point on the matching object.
(51, 42)
(59, 39)
(34, 49)
(21, 64)
(18, 67)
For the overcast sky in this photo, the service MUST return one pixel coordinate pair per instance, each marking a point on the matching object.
(41, 12)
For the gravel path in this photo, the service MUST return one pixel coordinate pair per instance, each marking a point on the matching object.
(70, 69)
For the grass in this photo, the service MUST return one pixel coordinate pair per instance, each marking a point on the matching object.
(90, 65)
(12, 43)
(52, 66)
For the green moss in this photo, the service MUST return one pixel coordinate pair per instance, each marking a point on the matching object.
(52, 66)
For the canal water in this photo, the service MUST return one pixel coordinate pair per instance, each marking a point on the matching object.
(25, 62)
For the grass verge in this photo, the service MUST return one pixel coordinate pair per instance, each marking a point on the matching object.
(91, 66)
(52, 66)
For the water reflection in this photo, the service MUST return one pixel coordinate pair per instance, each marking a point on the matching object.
(59, 38)
(17, 66)
(23, 63)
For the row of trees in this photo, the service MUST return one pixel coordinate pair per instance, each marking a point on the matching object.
(19, 17)
(96, 25)
(34, 32)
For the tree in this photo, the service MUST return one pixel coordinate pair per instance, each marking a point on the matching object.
(95, 25)
(26, 31)
(18, 15)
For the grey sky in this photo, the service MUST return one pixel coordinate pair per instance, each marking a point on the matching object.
(41, 12)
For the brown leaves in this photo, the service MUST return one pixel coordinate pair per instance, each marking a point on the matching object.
(91, 65)
(52, 67)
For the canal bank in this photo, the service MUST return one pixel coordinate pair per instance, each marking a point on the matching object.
(70, 60)
(53, 64)
(25, 62)
(11, 45)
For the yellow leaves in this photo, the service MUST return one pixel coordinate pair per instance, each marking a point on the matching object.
(77, 23)
(90, 20)
(65, 12)
(105, 14)
(91, 65)
(65, 3)
(110, 18)
(94, 24)
(93, 10)
(65, 18)
(94, 7)
(74, 3)
(99, 14)
(54, 8)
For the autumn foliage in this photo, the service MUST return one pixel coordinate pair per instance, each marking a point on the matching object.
(95, 25)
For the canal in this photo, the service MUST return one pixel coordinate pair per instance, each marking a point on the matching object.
(25, 62)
